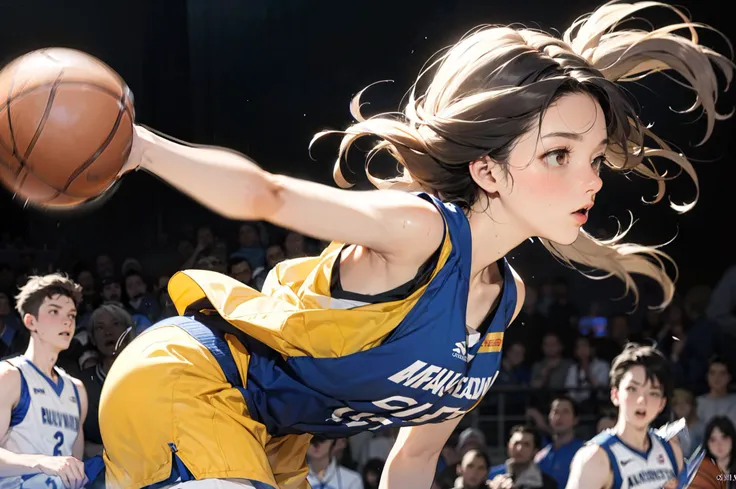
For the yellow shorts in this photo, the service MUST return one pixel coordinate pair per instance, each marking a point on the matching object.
(166, 397)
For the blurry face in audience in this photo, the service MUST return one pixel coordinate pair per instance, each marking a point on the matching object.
(111, 292)
(105, 266)
(582, 349)
(719, 444)
(551, 346)
(619, 328)
(639, 401)
(681, 406)
(521, 448)
(135, 286)
(242, 272)
(105, 332)
(274, 255)
(248, 236)
(562, 416)
(515, 354)
(319, 449)
(294, 244)
(205, 236)
(718, 377)
(473, 469)
(86, 280)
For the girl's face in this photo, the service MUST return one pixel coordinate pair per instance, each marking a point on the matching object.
(719, 444)
(553, 170)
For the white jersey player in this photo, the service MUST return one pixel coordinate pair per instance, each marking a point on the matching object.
(42, 409)
(631, 455)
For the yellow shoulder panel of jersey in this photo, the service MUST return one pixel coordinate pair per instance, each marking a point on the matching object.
(295, 314)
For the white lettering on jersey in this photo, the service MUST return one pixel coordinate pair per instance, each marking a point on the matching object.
(46, 421)
(441, 381)
(427, 377)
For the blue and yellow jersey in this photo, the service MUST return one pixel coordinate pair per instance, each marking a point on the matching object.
(307, 361)
(334, 366)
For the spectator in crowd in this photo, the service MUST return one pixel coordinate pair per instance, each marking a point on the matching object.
(587, 374)
(472, 472)
(718, 401)
(551, 371)
(274, 255)
(562, 314)
(325, 472)
(240, 269)
(110, 327)
(112, 290)
(519, 468)
(555, 458)
(469, 439)
(104, 266)
(250, 245)
(295, 245)
(720, 434)
(619, 334)
(205, 247)
(684, 407)
(140, 300)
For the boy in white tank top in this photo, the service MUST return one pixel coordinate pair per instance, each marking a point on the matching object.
(631, 455)
(42, 409)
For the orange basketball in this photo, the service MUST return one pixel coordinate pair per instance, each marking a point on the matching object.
(66, 127)
(708, 476)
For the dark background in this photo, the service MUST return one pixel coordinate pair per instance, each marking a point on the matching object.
(263, 76)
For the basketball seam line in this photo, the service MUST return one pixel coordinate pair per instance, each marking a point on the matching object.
(103, 146)
(52, 187)
(13, 97)
(44, 118)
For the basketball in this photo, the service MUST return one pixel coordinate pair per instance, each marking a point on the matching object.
(708, 476)
(66, 127)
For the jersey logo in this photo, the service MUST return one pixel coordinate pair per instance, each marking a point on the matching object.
(36, 390)
(460, 352)
(492, 343)
(626, 462)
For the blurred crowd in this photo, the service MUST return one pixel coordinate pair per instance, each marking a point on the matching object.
(550, 395)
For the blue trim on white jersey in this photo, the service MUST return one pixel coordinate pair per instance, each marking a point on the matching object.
(604, 440)
(24, 403)
(671, 454)
(57, 387)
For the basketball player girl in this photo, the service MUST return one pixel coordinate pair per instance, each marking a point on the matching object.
(42, 409)
(631, 455)
(400, 321)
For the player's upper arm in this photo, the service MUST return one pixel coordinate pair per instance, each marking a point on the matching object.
(78, 448)
(425, 441)
(590, 469)
(393, 223)
(83, 400)
(10, 382)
